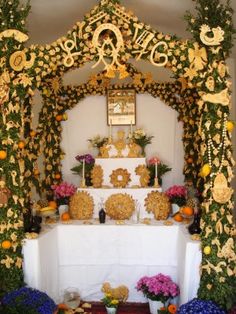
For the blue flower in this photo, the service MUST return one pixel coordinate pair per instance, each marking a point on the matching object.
(197, 306)
(28, 300)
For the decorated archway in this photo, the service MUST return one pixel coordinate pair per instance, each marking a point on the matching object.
(111, 36)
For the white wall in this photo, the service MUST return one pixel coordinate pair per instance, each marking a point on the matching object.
(88, 118)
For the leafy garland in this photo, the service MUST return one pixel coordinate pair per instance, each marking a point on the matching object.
(197, 65)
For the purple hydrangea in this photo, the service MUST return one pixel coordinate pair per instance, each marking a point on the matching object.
(87, 157)
(197, 306)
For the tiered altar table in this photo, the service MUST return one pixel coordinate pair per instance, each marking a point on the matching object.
(85, 256)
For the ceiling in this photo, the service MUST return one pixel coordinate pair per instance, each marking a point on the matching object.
(52, 19)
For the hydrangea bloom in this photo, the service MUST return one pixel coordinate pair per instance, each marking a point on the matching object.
(197, 306)
(28, 300)
(87, 157)
(177, 194)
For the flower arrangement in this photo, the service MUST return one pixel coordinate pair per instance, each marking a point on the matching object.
(161, 169)
(109, 301)
(89, 163)
(177, 194)
(170, 309)
(200, 307)
(158, 288)
(27, 300)
(140, 137)
(63, 191)
(97, 141)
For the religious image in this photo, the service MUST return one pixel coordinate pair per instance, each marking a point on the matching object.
(121, 107)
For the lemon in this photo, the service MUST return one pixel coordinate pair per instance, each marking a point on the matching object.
(205, 171)
(207, 250)
(230, 126)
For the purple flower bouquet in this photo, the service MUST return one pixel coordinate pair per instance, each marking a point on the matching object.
(158, 287)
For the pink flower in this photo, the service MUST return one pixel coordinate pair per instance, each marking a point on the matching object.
(63, 190)
(154, 160)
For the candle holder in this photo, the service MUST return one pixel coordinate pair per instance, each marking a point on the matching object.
(83, 184)
(156, 183)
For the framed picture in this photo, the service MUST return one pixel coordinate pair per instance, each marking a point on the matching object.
(121, 107)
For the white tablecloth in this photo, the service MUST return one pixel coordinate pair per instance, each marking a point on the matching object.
(85, 256)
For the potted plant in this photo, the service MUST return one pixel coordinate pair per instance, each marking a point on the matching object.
(161, 169)
(201, 306)
(110, 303)
(158, 289)
(97, 142)
(62, 193)
(177, 195)
(88, 164)
(140, 137)
(27, 300)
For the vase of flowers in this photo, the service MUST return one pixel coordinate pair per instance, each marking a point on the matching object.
(161, 169)
(62, 192)
(177, 195)
(88, 166)
(140, 138)
(159, 288)
(98, 141)
(110, 303)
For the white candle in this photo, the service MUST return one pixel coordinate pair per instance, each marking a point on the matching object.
(131, 127)
(156, 169)
(83, 168)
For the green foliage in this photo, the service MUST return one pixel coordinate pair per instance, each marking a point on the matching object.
(214, 14)
(13, 15)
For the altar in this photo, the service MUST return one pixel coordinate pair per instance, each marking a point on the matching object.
(85, 255)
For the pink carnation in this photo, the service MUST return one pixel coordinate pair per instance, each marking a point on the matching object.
(154, 160)
(63, 190)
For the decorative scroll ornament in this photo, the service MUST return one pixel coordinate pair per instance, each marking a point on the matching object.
(120, 206)
(159, 55)
(222, 97)
(107, 42)
(68, 47)
(18, 61)
(218, 35)
(221, 192)
(210, 83)
(19, 36)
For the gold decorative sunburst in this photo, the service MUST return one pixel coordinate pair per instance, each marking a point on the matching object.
(120, 178)
(97, 176)
(81, 206)
(158, 203)
(120, 206)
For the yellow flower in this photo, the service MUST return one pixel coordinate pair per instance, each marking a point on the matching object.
(108, 295)
(114, 301)
(197, 57)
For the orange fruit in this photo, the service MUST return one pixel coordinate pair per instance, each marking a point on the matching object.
(6, 244)
(62, 306)
(59, 117)
(52, 204)
(3, 154)
(36, 172)
(186, 210)
(32, 133)
(177, 217)
(190, 160)
(65, 216)
(21, 144)
(57, 176)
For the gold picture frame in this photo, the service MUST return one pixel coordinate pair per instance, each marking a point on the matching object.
(121, 107)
